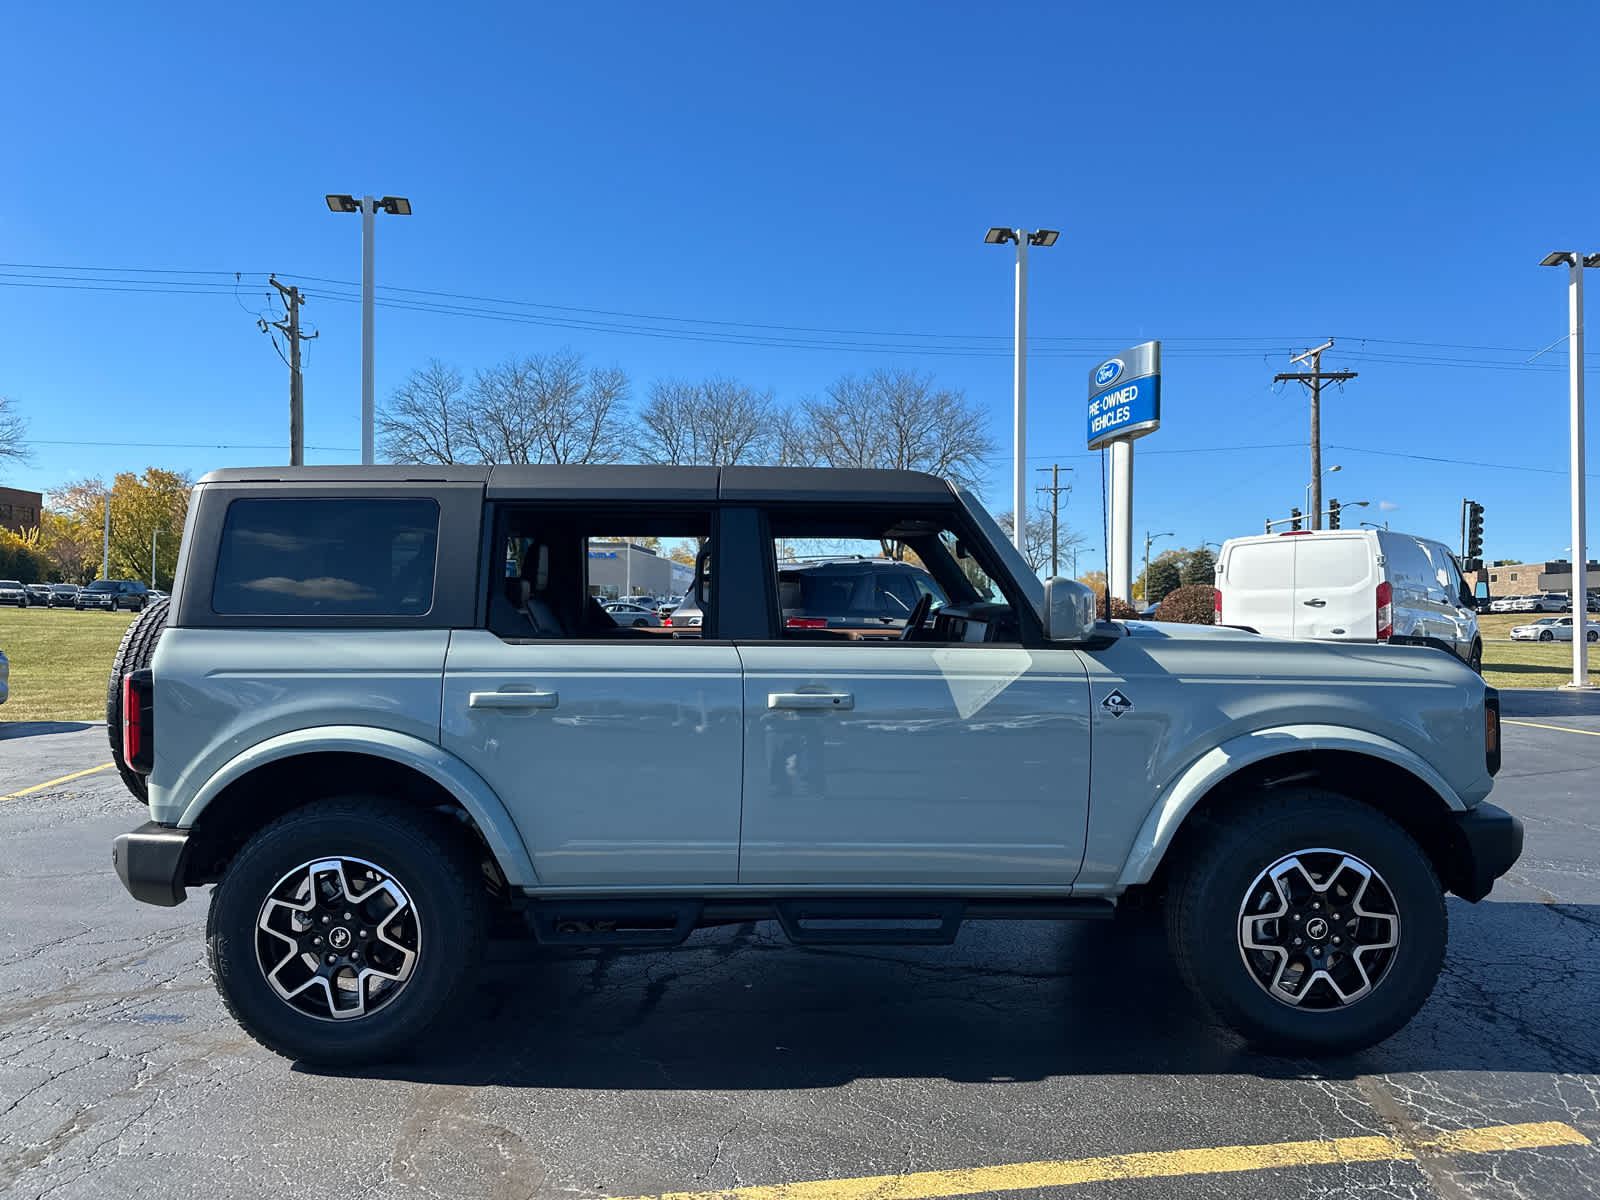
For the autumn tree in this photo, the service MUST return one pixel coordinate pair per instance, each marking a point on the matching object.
(897, 419)
(713, 422)
(154, 504)
(71, 546)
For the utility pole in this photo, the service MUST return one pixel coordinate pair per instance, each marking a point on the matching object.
(290, 328)
(1314, 379)
(1148, 538)
(105, 553)
(1055, 489)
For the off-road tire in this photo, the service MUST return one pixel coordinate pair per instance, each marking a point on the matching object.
(138, 647)
(1215, 874)
(427, 854)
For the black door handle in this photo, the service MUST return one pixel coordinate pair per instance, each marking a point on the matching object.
(1317, 603)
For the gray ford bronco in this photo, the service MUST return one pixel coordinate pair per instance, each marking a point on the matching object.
(383, 714)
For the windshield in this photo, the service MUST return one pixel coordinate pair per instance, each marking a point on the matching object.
(1032, 586)
(102, 585)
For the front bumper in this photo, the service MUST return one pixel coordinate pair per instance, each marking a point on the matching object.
(149, 861)
(1490, 842)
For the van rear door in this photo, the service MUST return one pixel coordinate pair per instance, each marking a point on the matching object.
(1336, 581)
(1257, 585)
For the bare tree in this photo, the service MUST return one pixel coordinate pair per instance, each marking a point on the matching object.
(896, 419)
(425, 418)
(718, 422)
(546, 408)
(13, 432)
(1036, 539)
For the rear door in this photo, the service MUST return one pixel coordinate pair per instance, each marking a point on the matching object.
(1257, 584)
(616, 750)
(1335, 587)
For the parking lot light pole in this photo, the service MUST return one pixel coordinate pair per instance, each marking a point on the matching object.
(398, 206)
(1575, 263)
(1148, 538)
(998, 236)
(1329, 471)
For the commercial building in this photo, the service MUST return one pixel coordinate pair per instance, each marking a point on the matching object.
(1523, 579)
(625, 569)
(19, 510)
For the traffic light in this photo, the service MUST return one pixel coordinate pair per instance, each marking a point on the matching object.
(1294, 519)
(1474, 531)
(1333, 514)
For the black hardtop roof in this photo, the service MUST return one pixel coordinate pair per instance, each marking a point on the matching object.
(626, 482)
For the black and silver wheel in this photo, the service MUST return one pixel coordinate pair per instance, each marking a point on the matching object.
(1311, 923)
(341, 932)
(1546, 636)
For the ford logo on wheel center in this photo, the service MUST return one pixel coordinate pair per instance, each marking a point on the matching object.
(1108, 372)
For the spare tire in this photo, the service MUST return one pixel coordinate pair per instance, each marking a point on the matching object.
(134, 654)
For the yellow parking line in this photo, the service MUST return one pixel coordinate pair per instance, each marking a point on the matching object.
(1557, 728)
(39, 787)
(927, 1185)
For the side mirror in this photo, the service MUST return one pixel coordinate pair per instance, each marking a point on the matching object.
(1068, 611)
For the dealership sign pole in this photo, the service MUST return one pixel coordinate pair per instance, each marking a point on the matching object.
(1124, 405)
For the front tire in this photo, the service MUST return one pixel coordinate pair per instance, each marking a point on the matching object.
(1547, 636)
(1475, 658)
(1311, 923)
(344, 930)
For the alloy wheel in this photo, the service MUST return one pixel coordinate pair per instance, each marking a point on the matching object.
(1318, 929)
(337, 938)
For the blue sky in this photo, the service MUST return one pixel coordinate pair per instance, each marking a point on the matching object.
(1233, 179)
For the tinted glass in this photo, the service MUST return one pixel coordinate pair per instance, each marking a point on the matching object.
(327, 557)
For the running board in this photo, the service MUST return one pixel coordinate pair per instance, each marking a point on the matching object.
(806, 921)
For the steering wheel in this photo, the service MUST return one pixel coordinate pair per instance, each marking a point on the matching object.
(918, 617)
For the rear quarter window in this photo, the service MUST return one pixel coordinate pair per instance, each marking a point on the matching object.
(336, 556)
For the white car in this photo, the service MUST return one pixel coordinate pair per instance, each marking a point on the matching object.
(1553, 629)
(1503, 604)
(636, 615)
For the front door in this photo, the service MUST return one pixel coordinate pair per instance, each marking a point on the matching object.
(873, 764)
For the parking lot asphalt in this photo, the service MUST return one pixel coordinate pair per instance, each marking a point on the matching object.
(1025, 1060)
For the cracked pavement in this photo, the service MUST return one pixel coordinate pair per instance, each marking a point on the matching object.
(741, 1060)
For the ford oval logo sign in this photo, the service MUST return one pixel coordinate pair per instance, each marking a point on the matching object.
(1108, 372)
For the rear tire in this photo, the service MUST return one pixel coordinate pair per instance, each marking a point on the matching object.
(1234, 896)
(134, 654)
(418, 957)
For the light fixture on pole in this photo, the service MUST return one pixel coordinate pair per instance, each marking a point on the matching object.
(397, 206)
(1148, 538)
(1575, 263)
(1326, 473)
(998, 236)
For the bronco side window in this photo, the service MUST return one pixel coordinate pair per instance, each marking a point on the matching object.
(556, 570)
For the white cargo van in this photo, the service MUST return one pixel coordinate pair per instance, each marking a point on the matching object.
(1357, 585)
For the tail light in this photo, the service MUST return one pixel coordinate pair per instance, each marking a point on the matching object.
(138, 721)
(806, 623)
(1385, 611)
(1216, 601)
(666, 621)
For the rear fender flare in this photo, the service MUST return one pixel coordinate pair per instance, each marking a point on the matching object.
(1218, 763)
(464, 784)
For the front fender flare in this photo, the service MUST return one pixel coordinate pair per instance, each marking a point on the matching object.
(1218, 763)
(449, 772)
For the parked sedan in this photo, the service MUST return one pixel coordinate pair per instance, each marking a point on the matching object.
(1502, 604)
(636, 615)
(1553, 629)
(13, 592)
(39, 593)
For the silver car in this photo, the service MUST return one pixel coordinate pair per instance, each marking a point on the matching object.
(14, 592)
(636, 616)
